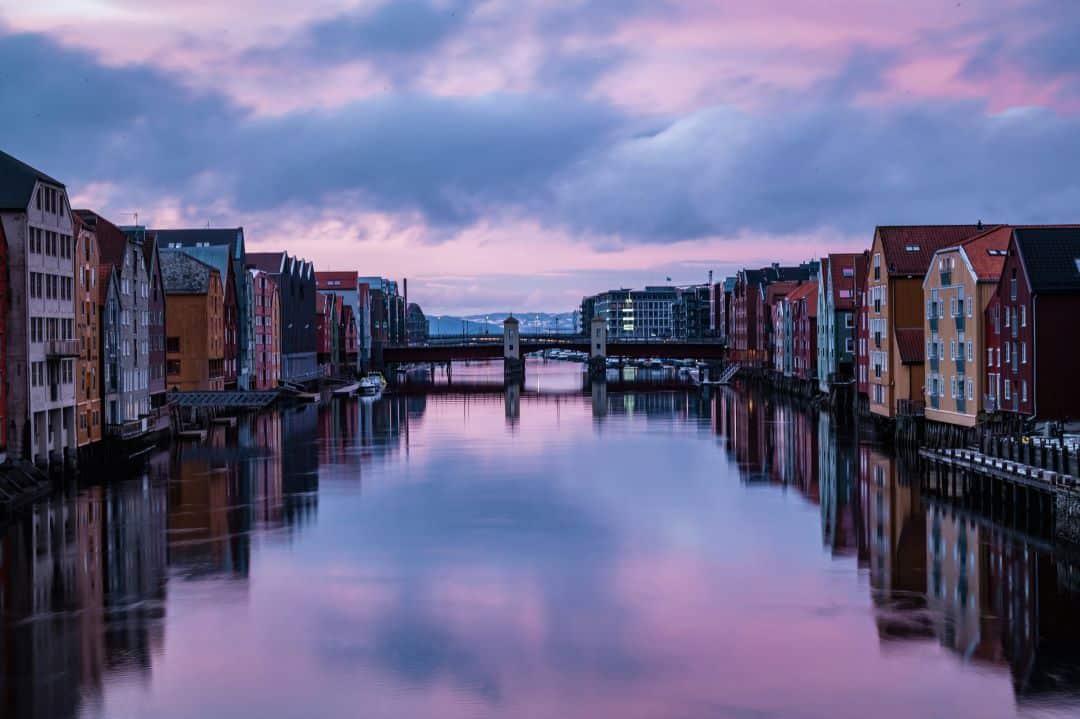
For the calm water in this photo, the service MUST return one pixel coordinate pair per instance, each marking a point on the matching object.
(553, 554)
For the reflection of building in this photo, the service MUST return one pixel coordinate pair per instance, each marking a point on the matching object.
(955, 565)
(893, 544)
(89, 571)
(836, 469)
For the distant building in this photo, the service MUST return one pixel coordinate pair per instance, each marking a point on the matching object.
(417, 323)
(195, 322)
(346, 284)
(265, 315)
(326, 332)
(350, 339)
(836, 319)
(297, 293)
(750, 334)
(88, 331)
(41, 347)
(147, 240)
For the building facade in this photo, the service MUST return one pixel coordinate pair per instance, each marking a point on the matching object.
(41, 348)
(231, 264)
(899, 259)
(836, 320)
(295, 280)
(125, 326)
(346, 284)
(265, 314)
(1030, 321)
(957, 290)
(804, 318)
(195, 323)
(88, 329)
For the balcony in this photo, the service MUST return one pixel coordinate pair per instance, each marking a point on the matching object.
(62, 348)
(127, 430)
(960, 320)
(934, 363)
(910, 408)
(934, 322)
(961, 366)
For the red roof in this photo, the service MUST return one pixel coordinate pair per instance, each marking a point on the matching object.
(835, 264)
(910, 342)
(806, 291)
(909, 249)
(346, 278)
(266, 261)
(986, 252)
(778, 289)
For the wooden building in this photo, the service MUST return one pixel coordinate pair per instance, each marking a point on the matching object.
(194, 321)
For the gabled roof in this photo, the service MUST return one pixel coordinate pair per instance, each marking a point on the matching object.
(112, 241)
(105, 282)
(191, 237)
(806, 291)
(909, 249)
(776, 290)
(217, 256)
(837, 262)
(183, 274)
(986, 251)
(272, 262)
(910, 343)
(1051, 257)
(17, 181)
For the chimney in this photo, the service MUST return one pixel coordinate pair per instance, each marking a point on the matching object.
(979, 226)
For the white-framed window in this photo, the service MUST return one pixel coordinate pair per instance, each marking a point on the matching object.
(1023, 390)
(1007, 351)
(971, 351)
(1008, 389)
(1023, 315)
(989, 356)
(1023, 352)
(971, 389)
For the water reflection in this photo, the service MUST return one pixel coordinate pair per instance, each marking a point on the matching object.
(585, 553)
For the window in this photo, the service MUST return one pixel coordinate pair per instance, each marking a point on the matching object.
(1007, 351)
(1023, 390)
(1023, 352)
(1006, 313)
(1023, 315)
(971, 389)
(877, 266)
(172, 344)
(1008, 389)
(172, 367)
(990, 356)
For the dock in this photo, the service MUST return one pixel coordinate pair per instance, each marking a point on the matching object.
(1024, 494)
(225, 400)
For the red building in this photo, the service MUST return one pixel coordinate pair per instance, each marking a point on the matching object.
(862, 338)
(804, 323)
(350, 342)
(1031, 322)
(751, 321)
(326, 331)
(266, 332)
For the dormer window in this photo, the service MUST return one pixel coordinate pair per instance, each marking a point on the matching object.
(912, 248)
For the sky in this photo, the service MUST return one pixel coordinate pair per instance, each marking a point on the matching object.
(514, 155)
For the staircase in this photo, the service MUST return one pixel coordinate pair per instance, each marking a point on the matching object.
(729, 373)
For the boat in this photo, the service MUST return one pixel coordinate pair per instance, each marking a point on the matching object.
(372, 384)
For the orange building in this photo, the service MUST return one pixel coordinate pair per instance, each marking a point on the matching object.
(194, 322)
(88, 334)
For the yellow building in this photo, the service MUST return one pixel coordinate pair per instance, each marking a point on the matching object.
(899, 259)
(957, 288)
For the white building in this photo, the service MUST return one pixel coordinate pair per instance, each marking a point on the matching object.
(42, 348)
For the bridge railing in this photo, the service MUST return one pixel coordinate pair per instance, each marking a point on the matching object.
(554, 339)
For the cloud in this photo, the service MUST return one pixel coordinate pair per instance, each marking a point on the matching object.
(794, 169)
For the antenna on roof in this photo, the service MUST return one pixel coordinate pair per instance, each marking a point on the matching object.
(134, 214)
(980, 225)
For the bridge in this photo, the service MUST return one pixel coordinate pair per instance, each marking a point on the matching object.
(477, 347)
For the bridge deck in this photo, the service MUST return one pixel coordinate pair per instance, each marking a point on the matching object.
(444, 349)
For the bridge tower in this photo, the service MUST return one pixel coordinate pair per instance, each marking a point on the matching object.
(598, 349)
(513, 364)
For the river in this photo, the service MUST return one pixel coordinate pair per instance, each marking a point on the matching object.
(543, 553)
